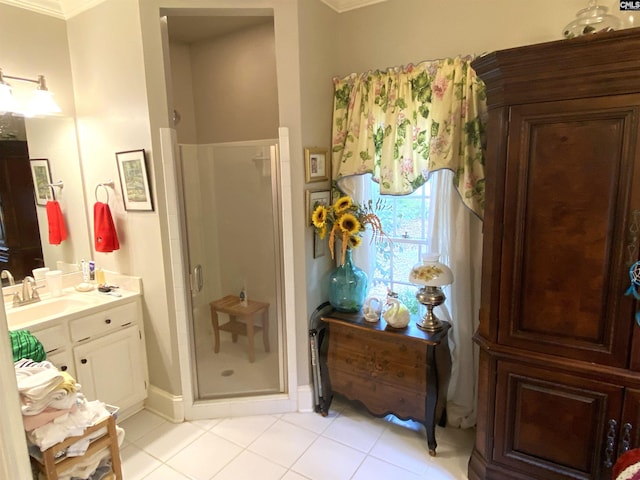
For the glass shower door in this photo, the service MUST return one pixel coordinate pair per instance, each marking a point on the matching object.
(231, 200)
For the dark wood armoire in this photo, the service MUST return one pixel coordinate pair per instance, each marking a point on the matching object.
(559, 372)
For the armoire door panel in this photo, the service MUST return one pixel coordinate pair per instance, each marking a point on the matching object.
(630, 423)
(562, 258)
(551, 424)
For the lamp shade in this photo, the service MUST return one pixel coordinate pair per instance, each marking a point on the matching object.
(42, 103)
(431, 272)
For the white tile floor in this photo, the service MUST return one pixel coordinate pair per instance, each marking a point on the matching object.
(347, 444)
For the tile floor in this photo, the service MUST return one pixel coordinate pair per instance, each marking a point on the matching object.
(347, 444)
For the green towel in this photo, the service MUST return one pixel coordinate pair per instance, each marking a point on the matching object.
(25, 345)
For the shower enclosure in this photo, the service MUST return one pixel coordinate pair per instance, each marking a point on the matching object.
(230, 209)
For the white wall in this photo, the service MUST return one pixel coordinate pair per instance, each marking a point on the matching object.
(112, 112)
(44, 51)
(55, 138)
(288, 87)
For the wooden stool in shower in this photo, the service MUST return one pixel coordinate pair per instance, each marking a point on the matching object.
(241, 321)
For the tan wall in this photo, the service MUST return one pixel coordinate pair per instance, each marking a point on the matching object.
(182, 89)
(234, 80)
(122, 101)
(398, 32)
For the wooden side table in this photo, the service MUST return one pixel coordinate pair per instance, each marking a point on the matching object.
(400, 371)
(52, 467)
(241, 321)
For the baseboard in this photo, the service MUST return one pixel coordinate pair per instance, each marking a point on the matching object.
(168, 406)
(305, 398)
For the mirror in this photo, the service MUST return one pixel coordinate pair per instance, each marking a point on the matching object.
(54, 139)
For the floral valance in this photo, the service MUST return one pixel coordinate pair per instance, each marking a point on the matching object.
(402, 123)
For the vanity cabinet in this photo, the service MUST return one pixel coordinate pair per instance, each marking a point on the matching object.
(110, 368)
(559, 376)
(104, 351)
(54, 337)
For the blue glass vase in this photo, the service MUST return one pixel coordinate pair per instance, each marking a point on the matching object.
(347, 286)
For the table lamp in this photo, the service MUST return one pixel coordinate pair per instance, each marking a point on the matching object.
(432, 275)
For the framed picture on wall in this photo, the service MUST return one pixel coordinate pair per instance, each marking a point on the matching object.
(317, 165)
(316, 198)
(132, 168)
(41, 180)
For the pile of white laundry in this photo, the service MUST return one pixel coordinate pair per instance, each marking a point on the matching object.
(54, 409)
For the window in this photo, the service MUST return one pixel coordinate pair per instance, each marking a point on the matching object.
(405, 222)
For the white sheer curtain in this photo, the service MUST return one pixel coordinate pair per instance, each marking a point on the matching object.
(456, 233)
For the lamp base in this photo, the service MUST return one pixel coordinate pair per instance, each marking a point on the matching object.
(430, 297)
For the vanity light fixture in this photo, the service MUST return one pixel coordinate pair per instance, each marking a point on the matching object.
(41, 103)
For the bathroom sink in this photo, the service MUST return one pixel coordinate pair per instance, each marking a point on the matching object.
(46, 308)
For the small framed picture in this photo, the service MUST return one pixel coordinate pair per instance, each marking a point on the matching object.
(41, 180)
(132, 168)
(321, 197)
(317, 165)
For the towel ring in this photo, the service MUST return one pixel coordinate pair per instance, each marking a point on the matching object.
(104, 185)
(59, 184)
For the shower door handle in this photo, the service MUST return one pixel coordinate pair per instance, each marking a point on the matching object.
(196, 279)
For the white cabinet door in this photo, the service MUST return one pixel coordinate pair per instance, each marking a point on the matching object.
(63, 361)
(111, 369)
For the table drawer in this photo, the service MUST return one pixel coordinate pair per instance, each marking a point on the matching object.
(103, 322)
(395, 347)
(51, 338)
(379, 398)
(380, 366)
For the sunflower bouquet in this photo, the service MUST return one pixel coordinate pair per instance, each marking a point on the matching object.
(347, 220)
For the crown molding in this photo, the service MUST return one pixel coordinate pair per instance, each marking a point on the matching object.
(71, 8)
(341, 6)
(63, 9)
(46, 7)
(66, 9)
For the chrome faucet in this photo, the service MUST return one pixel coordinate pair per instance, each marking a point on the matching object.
(7, 274)
(29, 293)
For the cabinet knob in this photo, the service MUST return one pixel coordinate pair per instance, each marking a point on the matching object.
(107, 321)
(626, 438)
(83, 361)
(610, 441)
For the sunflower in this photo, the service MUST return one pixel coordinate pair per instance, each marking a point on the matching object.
(342, 204)
(354, 241)
(319, 217)
(349, 224)
(345, 220)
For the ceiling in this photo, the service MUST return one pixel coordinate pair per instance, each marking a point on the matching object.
(68, 8)
(190, 29)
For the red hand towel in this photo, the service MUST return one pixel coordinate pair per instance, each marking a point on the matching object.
(57, 228)
(106, 238)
